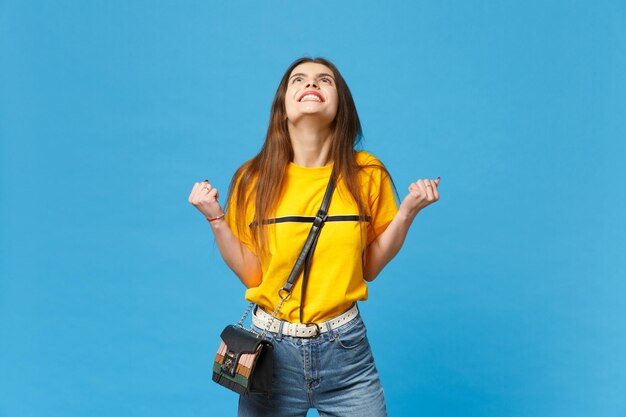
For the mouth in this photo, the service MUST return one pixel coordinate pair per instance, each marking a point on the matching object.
(311, 96)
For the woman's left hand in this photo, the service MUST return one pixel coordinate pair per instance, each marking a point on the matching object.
(421, 194)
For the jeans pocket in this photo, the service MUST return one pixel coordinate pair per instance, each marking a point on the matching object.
(352, 337)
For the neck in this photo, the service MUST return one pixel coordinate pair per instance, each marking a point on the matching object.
(311, 144)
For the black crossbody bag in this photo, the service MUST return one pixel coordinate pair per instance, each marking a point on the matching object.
(244, 360)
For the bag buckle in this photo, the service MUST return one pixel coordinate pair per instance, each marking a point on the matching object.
(320, 218)
(229, 365)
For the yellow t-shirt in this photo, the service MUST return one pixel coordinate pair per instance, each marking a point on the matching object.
(336, 275)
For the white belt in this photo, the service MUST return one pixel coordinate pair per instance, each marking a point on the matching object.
(260, 318)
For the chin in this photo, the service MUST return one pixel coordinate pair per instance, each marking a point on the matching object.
(321, 117)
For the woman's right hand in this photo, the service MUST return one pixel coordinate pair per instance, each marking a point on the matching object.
(237, 256)
(204, 197)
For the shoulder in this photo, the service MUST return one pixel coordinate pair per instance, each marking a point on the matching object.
(369, 164)
(364, 158)
(372, 172)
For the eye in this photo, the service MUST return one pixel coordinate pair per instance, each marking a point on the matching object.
(326, 80)
(296, 79)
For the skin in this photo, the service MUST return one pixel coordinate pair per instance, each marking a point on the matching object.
(309, 122)
(309, 129)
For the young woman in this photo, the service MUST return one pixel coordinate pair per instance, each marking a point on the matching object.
(322, 358)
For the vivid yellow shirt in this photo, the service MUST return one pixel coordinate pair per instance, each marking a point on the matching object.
(336, 276)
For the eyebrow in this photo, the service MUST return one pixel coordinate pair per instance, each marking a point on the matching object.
(321, 74)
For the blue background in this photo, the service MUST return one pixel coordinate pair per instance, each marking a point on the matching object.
(508, 296)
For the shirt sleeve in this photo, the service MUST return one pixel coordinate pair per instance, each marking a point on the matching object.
(382, 202)
(244, 235)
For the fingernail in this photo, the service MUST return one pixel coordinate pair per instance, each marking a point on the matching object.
(438, 178)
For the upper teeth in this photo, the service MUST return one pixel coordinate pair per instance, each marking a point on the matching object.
(310, 97)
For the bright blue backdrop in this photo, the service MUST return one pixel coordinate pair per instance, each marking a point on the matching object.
(508, 296)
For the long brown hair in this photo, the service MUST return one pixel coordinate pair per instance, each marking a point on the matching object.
(262, 177)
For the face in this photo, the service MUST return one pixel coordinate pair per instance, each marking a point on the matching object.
(311, 92)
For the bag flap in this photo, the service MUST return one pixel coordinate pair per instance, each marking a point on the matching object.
(239, 340)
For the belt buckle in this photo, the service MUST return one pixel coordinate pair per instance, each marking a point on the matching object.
(317, 328)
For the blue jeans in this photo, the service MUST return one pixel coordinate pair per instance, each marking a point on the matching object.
(334, 373)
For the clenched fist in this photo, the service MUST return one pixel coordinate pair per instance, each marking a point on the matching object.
(421, 194)
(204, 197)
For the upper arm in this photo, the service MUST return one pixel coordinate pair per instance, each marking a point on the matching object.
(382, 203)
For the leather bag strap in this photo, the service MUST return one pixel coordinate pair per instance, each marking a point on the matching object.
(311, 241)
(304, 260)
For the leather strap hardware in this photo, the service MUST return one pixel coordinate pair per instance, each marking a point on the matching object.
(318, 331)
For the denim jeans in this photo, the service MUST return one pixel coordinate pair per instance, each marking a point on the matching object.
(334, 373)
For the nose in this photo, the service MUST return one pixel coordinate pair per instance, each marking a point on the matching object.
(311, 83)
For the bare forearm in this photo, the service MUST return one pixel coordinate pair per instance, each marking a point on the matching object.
(382, 250)
(237, 256)
(387, 245)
